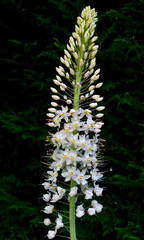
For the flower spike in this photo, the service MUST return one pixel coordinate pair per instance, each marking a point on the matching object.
(73, 171)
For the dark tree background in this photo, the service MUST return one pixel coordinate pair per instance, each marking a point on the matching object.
(33, 35)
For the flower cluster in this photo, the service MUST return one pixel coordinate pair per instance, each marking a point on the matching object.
(76, 158)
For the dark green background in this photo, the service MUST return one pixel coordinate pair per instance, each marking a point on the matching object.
(33, 35)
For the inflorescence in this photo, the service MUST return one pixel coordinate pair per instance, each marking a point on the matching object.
(75, 114)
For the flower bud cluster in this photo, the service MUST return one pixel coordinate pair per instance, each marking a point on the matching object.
(79, 61)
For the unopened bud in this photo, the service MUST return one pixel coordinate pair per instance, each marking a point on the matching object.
(54, 104)
(52, 110)
(93, 105)
(82, 97)
(71, 71)
(86, 74)
(67, 53)
(60, 72)
(91, 87)
(91, 92)
(76, 55)
(95, 96)
(58, 78)
(54, 90)
(51, 115)
(99, 99)
(51, 124)
(55, 97)
(63, 85)
(56, 82)
(68, 101)
(99, 85)
(100, 108)
(99, 115)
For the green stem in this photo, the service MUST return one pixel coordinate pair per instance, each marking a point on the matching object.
(73, 183)
(72, 214)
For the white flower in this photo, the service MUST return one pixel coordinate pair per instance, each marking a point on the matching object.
(61, 191)
(80, 211)
(73, 139)
(59, 222)
(46, 185)
(47, 221)
(48, 209)
(51, 234)
(55, 197)
(97, 190)
(80, 177)
(73, 191)
(70, 173)
(89, 193)
(52, 176)
(91, 211)
(72, 158)
(64, 114)
(97, 206)
(83, 142)
(96, 175)
(46, 197)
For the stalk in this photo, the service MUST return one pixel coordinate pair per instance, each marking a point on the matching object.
(73, 183)
(72, 214)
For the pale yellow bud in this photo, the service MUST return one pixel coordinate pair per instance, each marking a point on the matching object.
(85, 55)
(60, 72)
(54, 90)
(81, 62)
(94, 39)
(51, 115)
(99, 99)
(75, 55)
(56, 82)
(68, 101)
(51, 124)
(100, 108)
(67, 53)
(99, 85)
(55, 97)
(71, 40)
(54, 104)
(95, 96)
(91, 87)
(99, 115)
(93, 105)
(53, 110)
(58, 78)
(71, 71)
(86, 74)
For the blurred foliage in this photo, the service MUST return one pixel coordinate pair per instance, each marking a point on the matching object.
(33, 36)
